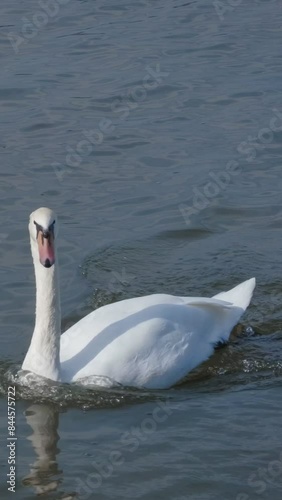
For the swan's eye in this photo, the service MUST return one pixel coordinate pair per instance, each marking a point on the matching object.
(38, 228)
(51, 227)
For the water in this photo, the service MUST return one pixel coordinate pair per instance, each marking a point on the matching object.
(154, 129)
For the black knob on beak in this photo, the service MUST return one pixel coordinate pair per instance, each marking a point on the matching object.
(45, 234)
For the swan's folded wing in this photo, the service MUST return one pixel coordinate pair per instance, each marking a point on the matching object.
(240, 295)
(205, 302)
(221, 317)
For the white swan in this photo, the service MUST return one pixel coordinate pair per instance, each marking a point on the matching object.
(151, 341)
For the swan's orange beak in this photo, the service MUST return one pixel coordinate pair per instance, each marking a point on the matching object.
(45, 240)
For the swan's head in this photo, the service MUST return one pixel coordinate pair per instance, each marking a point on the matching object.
(43, 228)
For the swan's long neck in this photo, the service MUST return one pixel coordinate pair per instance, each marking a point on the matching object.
(43, 356)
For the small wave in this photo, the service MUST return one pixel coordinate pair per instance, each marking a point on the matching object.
(89, 392)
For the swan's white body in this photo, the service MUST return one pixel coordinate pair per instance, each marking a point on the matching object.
(152, 341)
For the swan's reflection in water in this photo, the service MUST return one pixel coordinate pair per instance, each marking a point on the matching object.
(45, 476)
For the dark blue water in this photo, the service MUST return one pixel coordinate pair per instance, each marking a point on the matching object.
(154, 130)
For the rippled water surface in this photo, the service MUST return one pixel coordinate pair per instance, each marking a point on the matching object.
(154, 129)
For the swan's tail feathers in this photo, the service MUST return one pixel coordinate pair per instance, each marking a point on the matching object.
(241, 295)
